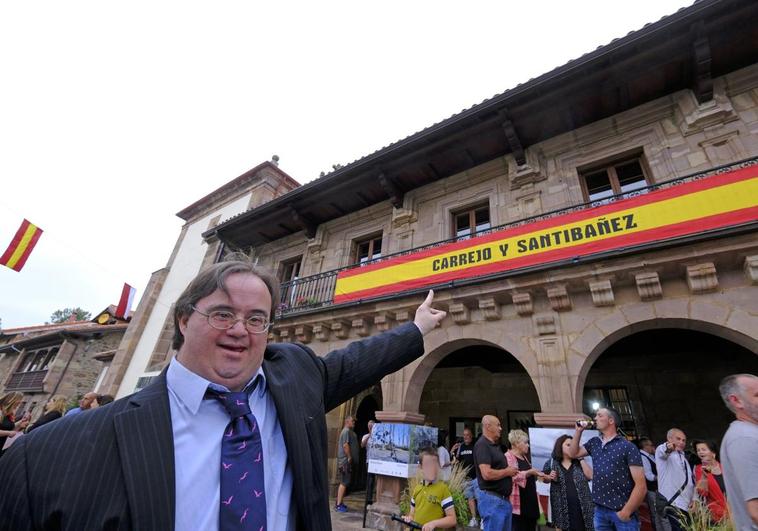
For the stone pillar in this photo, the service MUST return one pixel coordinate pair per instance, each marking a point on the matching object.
(558, 420)
(388, 488)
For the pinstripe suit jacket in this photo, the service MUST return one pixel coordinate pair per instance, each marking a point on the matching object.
(113, 468)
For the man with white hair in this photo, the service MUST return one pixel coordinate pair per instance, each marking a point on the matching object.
(739, 449)
(675, 479)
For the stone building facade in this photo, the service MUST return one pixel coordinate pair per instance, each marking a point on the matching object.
(70, 359)
(649, 330)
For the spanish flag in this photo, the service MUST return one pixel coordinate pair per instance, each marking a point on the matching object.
(21, 246)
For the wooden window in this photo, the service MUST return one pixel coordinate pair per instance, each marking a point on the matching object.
(468, 222)
(615, 397)
(368, 249)
(289, 270)
(617, 178)
(38, 360)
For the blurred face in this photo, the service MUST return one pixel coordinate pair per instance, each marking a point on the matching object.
(430, 467)
(704, 453)
(746, 401)
(350, 423)
(648, 447)
(86, 401)
(678, 439)
(522, 447)
(566, 446)
(493, 428)
(12, 406)
(468, 437)
(227, 357)
(603, 420)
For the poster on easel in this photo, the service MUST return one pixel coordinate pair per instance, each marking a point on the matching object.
(393, 449)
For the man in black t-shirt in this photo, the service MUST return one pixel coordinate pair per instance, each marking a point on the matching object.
(493, 477)
(463, 452)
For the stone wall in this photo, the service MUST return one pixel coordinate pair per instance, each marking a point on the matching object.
(473, 392)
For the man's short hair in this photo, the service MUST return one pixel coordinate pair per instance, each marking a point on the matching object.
(730, 385)
(214, 278)
(640, 442)
(614, 414)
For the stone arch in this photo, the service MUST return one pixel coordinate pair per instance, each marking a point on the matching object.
(439, 350)
(712, 327)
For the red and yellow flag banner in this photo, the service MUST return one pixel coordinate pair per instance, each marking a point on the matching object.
(21, 246)
(712, 203)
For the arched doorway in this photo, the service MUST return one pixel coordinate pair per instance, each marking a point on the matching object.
(366, 411)
(473, 380)
(660, 378)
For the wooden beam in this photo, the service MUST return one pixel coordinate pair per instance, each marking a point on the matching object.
(469, 157)
(338, 208)
(394, 193)
(304, 223)
(364, 200)
(512, 137)
(702, 82)
(435, 173)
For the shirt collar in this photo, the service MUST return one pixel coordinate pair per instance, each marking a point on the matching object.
(190, 387)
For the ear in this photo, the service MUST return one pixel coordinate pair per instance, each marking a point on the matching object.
(183, 323)
(735, 401)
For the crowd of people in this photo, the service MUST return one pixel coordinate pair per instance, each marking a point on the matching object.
(11, 427)
(630, 485)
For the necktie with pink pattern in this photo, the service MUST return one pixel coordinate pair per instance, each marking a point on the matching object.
(243, 498)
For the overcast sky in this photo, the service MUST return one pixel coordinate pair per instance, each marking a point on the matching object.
(115, 116)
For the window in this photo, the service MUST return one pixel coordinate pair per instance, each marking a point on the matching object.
(458, 424)
(618, 178)
(38, 360)
(615, 397)
(471, 221)
(289, 270)
(368, 249)
(144, 381)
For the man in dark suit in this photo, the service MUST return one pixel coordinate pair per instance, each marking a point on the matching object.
(156, 460)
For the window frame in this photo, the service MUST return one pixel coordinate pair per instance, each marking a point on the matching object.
(471, 210)
(296, 262)
(371, 240)
(610, 170)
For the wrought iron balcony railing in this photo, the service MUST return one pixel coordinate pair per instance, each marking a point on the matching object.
(26, 381)
(317, 291)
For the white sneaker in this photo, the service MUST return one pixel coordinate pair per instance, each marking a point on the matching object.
(481, 524)
(473, 523)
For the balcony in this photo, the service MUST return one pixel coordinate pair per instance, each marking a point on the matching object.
(31, 381)
(316, 292)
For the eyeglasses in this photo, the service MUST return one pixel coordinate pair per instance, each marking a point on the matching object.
(224, 320)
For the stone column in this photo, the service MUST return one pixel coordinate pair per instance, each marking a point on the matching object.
(558, 420)
(389, 488)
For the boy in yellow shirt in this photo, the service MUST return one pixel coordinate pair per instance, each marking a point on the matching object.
(431, 501)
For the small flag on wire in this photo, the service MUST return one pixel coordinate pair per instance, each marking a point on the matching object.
(125, 304)
(21, 246)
